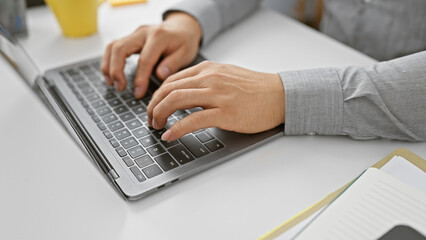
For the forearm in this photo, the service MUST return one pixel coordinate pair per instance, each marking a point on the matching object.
(215, 15)
(385, 100)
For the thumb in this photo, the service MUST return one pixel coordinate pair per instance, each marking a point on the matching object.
(171, 64)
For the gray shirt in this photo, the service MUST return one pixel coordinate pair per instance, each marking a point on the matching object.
(385, 100)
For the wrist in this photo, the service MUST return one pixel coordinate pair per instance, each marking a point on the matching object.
(279, 91)
(185, 21)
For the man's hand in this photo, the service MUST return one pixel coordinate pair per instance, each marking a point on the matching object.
(176, 40)
(232, 98)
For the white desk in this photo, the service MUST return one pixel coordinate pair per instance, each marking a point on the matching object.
(51, 190)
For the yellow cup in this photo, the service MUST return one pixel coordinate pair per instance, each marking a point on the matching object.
(77, 18)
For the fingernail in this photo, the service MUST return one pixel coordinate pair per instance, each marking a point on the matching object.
(154, 124)
(164, 72)
(138, 92)
(117, 85)
(166, 135)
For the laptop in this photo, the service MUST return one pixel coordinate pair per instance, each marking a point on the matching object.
(111, 126)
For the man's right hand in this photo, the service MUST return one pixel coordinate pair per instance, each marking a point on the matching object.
(176, 40)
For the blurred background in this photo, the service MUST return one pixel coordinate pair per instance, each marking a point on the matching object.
(12, 12)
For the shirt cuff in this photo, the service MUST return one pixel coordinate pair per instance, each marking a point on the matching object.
(313, 102)
(205, 12)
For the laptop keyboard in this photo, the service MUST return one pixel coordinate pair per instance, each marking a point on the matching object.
(122, 119)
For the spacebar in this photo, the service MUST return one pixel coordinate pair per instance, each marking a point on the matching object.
(194, 146)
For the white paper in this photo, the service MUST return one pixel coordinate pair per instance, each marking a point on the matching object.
(373, 205)
(407, 172)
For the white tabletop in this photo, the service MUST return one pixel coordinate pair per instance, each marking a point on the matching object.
(51, 190)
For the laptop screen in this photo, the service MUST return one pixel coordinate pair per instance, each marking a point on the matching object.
(17, 57)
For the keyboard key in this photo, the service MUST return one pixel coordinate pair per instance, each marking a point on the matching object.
(152, 171)
(141, 132)
(144, 161)
(121, 134)
(166, 162)
(103, 111)
(170, 123)
(109, 118)
(78, 79)
(72, 72)
(179, 112)
(127, 116)
(114, 142)
(83, 85)
(180, 117)
(158, 133)
(144, 117)
(136, 151)
(156, 150)
(193, 110)
(92, 97)
(114, 102)
(88, 91)
(98, 104)
(181, 154)
(115, 126)
(108, 95)
(129, 142)
(97, 65)
(198, 131)
(107, 134)
(139, 110)
(102, 88)
(138, 174)
(121, 152)
(93, 78)
(101, 84)
(126, 96)
(204, 136)
(78, 95)
(148, 141)
(101, 126)
(133, 103)
(194, 146)
(121, 109)
(214, 145)
(168, 144)
(128, 161)
(135, 123)
(85, 68)
(96, 119)
(90, 111)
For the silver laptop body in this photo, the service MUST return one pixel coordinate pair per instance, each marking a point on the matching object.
(111, 126)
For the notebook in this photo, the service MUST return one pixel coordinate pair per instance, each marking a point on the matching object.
(391, 164)
(370, 207)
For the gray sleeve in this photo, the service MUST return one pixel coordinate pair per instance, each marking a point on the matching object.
(385, 100)
(215, 15)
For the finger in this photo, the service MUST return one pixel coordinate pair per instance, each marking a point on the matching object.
(179, 100)
(120, 50)
(166, 89)
(189, 72)
(105, 64)
(191, 123)
(149, 56)
(171, 64)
